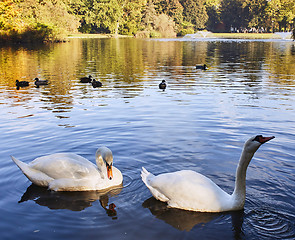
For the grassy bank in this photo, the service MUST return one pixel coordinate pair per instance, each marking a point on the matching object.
(245, 35)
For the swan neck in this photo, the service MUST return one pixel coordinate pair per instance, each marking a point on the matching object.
(101, 166)
(239, 193)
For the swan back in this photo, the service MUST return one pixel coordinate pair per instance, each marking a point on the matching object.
(64, 165)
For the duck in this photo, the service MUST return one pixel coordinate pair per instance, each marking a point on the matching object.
(96, 84)
(72, 172)
(202, 67)
(21, 83)
(163, 85)
(39, 82)
(86, 79)
(192, 191)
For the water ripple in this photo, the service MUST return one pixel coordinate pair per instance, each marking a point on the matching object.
(269, 224)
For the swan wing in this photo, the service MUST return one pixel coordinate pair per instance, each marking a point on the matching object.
(64, 165)
(35, 176)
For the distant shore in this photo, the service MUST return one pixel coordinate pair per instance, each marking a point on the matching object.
(8, 41)
(215, 35)
(94, 35)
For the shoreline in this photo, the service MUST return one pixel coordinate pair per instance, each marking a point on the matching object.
(106, 36)
(210, 35)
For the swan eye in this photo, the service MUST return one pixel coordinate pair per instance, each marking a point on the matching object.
(257, 138)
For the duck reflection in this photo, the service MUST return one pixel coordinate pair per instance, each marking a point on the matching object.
(186, 220)
(74, 201)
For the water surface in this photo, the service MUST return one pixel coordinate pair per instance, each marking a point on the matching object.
(199, 122)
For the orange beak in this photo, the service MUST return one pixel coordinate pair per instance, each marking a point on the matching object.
(265, 139)
(110, 172)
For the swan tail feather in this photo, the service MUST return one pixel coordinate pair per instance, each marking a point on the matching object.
(147, 178)
(37, 177)
(22, 166)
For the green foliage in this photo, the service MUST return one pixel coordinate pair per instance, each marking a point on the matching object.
(34, 33)
(195, 12)
(35, 20)
(48, 12)
(171, 8)
(154, 34)
(185, 28)
(156, 25)
(129, 24)
(45, 20)
(214, 14)
(282, 14)
(274, 15)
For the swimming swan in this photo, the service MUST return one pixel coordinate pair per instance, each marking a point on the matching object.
(193, 191)
(71, 172)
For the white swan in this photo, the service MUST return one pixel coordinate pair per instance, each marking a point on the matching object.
(193, 191)
(71, 172)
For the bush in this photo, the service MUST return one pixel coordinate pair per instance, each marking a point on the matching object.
(184, 31)
(40, 33)
(143, 34)
(34, 33)
(185, 28)
(155, 34)
(165, 26)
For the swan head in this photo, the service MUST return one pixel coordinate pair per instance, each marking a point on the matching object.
(255, 142)
(104, 160)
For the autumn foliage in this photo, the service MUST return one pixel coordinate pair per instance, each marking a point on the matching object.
(49, 20)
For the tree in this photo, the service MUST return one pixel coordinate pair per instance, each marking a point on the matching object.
(129, 23)
(148, 16)
(171, 8)
(52, 13)
(233, 14)
(256, 13)
(213, 12)
(194, 11)
(109, 16)
(8, 15)
(281, 13)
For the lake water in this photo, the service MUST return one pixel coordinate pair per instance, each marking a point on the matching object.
(199, 122)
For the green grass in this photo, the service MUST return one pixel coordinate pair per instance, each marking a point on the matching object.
(245, 35)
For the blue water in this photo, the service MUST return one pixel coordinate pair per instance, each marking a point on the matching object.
(200, 122)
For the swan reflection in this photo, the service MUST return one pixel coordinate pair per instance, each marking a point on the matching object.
(74, 201)
(186, 220)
